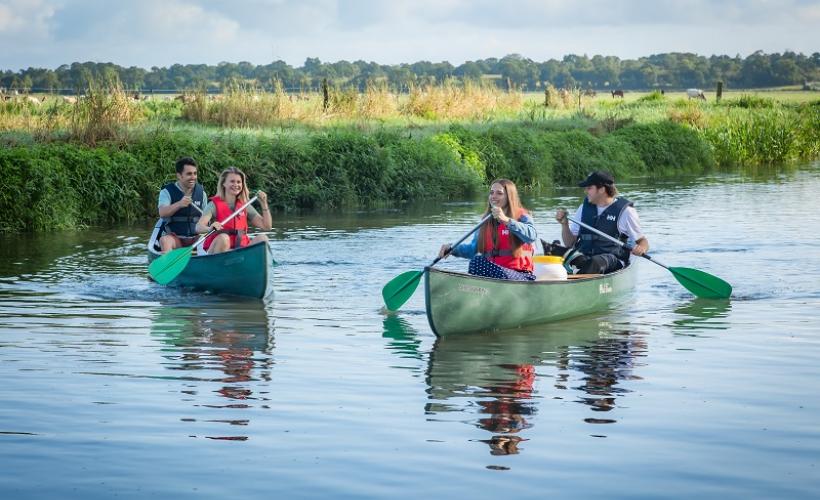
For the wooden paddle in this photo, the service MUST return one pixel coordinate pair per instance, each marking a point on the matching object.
(167, 267)
(700, 283)
(399, 289)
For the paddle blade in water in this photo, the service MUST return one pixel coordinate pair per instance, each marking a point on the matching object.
(167, 267)
(399, 289)
(702, 284)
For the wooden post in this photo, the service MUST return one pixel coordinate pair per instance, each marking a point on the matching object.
(325, 95)
(546, 96)
(719, 91)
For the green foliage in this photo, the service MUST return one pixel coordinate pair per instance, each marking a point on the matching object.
(679, 70)
(59, 185)
(461, 144)
(161, 110)
(576, 153)
(350, 166)
(764, 136)
(426, 168)
(665, 145)
(749, 102)
(653, 97)
(519, 155)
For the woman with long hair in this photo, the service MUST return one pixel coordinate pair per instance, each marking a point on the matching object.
(502, 248)
(232, 193)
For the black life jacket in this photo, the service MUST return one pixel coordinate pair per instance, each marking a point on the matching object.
(590, 243)
(183, 222)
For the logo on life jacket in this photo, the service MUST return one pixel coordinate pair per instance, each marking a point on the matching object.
(611, 217)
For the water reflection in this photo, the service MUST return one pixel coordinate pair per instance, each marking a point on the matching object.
(402, 337)
(604, 364)
(506, 408)
(225, 353)
(702, 314)
(499, 380)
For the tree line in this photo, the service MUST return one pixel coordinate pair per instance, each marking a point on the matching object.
(660, 71)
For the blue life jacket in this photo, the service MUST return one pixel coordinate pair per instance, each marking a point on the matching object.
(183, 222)
(590, 243)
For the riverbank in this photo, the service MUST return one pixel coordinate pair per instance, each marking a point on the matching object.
(103, 166)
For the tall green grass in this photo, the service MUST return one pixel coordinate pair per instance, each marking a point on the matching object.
(70, 185)
(765, 136)
(104, 159)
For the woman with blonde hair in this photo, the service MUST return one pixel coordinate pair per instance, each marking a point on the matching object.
(502, 247)
(232, 193)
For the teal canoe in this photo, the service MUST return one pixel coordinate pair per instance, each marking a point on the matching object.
(244, 271)
(462, 303)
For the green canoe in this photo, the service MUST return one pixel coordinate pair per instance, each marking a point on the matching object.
(462, 303)
(244, 271)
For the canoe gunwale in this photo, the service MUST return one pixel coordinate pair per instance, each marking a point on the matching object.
(450, 294)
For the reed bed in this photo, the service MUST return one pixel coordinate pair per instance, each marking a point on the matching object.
(453, 101)
(103, 114)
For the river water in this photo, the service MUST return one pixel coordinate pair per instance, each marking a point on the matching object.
(115, 386)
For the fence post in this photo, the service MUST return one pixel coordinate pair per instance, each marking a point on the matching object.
(325, 95)
(719, 91)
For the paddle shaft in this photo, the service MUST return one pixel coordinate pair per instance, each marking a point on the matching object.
(413, 281)
(615, 240)
(459, 242)
(236, 212)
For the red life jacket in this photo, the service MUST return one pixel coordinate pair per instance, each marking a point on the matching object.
(503, 253)
(236, 228)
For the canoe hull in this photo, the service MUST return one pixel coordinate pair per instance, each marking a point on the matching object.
(244, 271)
(461, 303)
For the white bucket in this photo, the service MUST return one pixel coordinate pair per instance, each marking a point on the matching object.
(549, 267)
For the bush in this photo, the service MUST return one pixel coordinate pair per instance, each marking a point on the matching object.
(746, 101)
(665, 145)
(64, 185)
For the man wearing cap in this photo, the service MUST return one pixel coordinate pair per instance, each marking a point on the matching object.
(604, 210)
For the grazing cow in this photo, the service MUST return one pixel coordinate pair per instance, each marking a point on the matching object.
(69, 99)
(618, 93)
(590, 93)
(695, 94)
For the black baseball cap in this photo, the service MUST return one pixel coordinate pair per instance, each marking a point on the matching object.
(598, 178)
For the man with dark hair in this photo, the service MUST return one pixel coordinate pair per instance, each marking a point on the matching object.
(180, 205)
(604, 210)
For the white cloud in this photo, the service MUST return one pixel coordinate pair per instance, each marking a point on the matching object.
(25, 18)
(164, 32)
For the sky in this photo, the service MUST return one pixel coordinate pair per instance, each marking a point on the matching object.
(147, 33)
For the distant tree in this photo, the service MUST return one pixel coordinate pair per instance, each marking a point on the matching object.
(469, 70)
(672, 70)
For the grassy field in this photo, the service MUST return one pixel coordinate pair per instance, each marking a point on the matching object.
(786, 96)
(50, 116)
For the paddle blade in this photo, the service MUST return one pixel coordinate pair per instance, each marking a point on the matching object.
(167, 267)
(702, 284)
(399, 289)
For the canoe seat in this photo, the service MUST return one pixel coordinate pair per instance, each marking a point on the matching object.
(582, 276)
